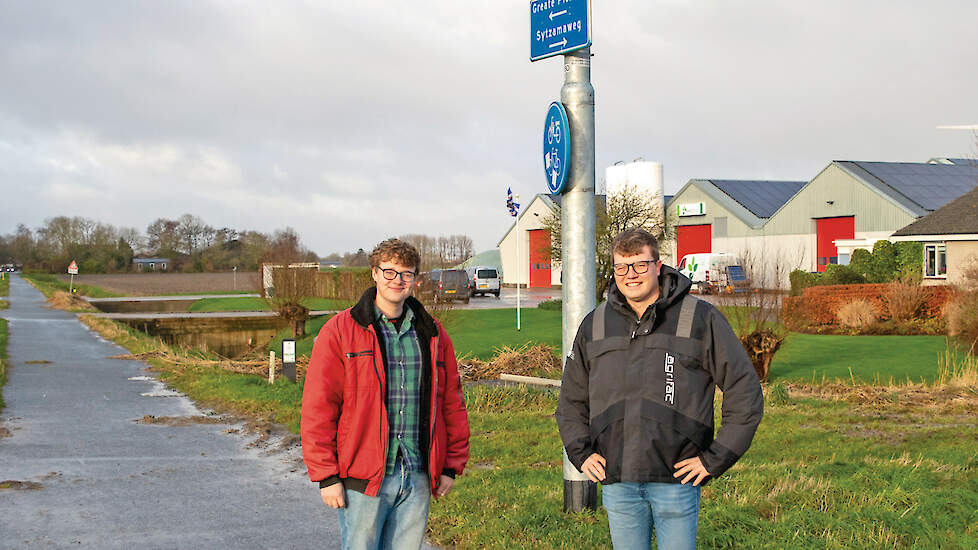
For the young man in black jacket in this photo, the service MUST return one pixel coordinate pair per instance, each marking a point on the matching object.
(636, 402)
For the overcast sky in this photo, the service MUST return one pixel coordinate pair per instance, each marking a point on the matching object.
(355, 121)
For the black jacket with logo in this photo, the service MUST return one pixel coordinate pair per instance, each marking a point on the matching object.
(642, 397)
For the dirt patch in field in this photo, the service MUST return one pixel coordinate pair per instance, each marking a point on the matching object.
(179, 420)
(19, 485)
(166, 284)
(526, 360)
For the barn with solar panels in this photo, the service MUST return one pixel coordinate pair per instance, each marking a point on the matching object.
(811, 225)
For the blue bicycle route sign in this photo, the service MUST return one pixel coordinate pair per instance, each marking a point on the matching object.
(556, 147)
(558, 26)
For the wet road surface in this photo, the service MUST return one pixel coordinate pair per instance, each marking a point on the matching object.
(85, 474)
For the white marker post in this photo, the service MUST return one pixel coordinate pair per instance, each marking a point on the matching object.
(271, 367)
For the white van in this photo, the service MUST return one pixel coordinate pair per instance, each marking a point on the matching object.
(713, 271)
(483, 280)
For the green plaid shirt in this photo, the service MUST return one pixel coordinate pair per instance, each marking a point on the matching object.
(403, 368)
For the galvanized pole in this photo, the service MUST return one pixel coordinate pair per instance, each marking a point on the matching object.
(577, 236)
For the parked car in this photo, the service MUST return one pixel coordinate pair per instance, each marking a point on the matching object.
(483, 280)
(445, 285)
(714, 272)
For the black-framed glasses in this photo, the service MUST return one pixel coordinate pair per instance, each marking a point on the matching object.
(640, 267)
(406, 276)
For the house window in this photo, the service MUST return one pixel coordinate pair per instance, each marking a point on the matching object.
(843, 259)
(935, 260)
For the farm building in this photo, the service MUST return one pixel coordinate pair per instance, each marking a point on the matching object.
(786, 225)
(776, 225)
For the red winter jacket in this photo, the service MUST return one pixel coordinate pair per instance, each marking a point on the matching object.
(344, 410)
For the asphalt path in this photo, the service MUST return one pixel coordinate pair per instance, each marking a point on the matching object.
(85, 474)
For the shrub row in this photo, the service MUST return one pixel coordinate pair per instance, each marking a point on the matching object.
(819, 305)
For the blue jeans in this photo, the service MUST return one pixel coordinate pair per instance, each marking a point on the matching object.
(634, 508)
(395, 519)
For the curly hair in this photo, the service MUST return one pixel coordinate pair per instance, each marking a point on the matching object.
(395, 250)
(631, 242)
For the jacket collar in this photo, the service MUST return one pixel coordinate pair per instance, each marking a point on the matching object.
(363, 313)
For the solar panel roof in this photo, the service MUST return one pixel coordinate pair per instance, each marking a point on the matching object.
(762, 198)
(930, 186)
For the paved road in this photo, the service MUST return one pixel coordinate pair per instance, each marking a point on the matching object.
(105, 481)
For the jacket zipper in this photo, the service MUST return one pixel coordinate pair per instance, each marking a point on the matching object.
(383, 399)
(434, 403)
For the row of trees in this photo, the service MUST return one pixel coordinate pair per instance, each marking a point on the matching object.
(436, 252)
(189, 242)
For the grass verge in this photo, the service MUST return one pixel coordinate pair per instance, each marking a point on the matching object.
(49, 283)
(3, 359)
(5, 290)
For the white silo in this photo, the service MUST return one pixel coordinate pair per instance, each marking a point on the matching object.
(641, 174)
(615, 177)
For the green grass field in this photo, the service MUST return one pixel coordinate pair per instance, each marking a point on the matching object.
(802, 358)
(49, 283)
(252, 303)
(873, 359)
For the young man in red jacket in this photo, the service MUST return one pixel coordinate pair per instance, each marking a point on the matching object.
(384, 424)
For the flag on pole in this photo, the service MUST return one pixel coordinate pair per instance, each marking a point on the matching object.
(514, 207)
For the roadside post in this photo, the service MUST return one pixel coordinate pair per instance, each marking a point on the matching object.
(73, 270)
(514, 210)
(563, 27)
(288, 358)
(271, 367)
(234, 278)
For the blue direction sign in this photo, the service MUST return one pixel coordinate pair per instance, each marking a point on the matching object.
(556, 147)
(558, 26)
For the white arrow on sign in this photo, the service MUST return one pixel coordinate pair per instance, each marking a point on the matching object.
(555, 14)
(562, 43)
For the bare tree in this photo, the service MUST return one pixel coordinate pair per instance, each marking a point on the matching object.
(628, 208)
(755, 311)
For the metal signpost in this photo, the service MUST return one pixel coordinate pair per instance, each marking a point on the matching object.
(563, 27)
(288, 358)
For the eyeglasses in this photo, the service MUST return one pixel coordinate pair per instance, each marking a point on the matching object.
(640, 267)
(406, 276)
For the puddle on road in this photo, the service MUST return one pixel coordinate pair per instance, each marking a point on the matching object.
(162, 392)
(179, 420)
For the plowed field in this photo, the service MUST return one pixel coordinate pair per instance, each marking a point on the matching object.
(163, 284)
